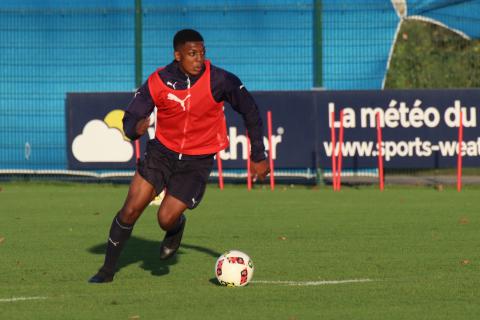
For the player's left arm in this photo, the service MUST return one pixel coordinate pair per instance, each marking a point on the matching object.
(230, 89)
(260, 170)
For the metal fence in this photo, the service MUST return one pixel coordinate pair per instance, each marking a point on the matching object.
(49, 49)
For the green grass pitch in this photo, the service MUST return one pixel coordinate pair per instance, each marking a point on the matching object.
(419, 247)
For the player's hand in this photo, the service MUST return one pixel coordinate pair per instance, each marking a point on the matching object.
(259, 170)
(142, 126)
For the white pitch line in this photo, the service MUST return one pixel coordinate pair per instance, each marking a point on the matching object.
(311, 283)
(15, 299)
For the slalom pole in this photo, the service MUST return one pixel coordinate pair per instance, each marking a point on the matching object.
(340, 156)
(270, 151)
(249, 176)
(220, 171)
(459, 156)
(334, 168)
(380, 155)
(137, 150)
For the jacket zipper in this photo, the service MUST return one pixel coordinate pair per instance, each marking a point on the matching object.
(187, 110)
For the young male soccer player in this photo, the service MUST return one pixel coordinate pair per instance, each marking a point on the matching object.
(189, 95)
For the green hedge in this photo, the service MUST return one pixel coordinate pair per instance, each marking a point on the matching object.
(431, 56)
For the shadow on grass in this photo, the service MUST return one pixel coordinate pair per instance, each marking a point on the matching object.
(215, 282)
(147, 252)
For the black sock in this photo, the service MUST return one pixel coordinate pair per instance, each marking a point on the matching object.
(119, 234)
(177, 226)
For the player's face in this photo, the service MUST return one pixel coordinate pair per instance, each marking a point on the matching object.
(191, 57)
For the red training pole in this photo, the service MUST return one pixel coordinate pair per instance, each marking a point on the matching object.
(249, 176)
(332, 134)
(339, 157)
(380, 155)
(220, 171)
(270, 151)
(459, 156)
(137, 150)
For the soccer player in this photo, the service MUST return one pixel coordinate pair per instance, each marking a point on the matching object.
(191, 128)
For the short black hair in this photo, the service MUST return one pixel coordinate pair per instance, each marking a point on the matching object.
(186, 35)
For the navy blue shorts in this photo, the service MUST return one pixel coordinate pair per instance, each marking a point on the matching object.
(184, 176)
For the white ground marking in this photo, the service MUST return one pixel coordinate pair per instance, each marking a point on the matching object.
(15, 299)
(311, 283)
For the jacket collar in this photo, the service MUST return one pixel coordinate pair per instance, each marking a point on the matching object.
(173, 69)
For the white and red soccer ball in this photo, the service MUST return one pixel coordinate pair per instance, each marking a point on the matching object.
(234, 269)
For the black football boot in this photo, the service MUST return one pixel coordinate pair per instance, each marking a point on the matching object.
(172, 240)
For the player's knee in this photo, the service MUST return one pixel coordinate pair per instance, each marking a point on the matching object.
(129, 215)
(166, 221)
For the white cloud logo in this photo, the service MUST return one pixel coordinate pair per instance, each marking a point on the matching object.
(99, 143)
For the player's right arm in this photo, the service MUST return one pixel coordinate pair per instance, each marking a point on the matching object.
(137, 115)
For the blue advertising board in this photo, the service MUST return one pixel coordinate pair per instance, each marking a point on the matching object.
(419, 128)
(96, 140)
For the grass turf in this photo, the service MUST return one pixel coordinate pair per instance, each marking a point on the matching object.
(419, 246)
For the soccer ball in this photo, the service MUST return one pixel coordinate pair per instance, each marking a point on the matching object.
(234, 269)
